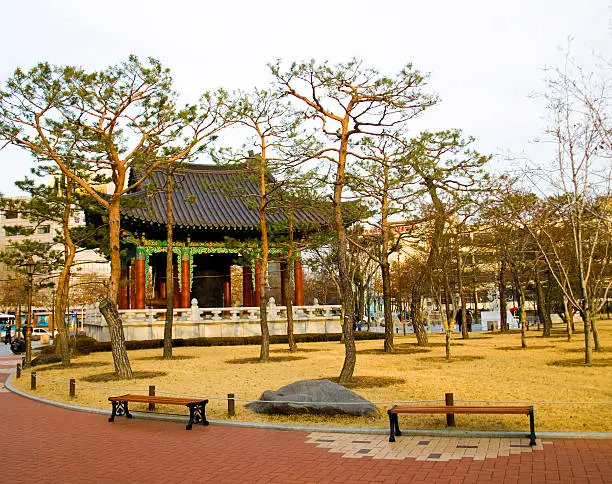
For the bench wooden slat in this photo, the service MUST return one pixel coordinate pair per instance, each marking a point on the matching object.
(518, 410)
(197, 406)
(453, 409)
(155, 399)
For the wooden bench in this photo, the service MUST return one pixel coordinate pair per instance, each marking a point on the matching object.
(452, 409)
(197, 407)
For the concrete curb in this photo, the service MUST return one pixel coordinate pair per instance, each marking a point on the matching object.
(305, 428)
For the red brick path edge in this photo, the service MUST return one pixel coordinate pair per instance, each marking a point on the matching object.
(44, 443)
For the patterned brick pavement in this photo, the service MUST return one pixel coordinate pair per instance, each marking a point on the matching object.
(44, 443)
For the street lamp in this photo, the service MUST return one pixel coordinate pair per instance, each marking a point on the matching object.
(29, 266)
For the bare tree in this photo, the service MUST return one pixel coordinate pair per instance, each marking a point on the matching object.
(577, 188)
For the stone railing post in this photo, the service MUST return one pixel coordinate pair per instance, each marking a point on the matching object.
(272, 310)
(195, 310)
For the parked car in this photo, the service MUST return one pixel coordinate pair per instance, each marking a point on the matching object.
(37, 333)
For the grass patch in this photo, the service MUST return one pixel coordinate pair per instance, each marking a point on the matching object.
(107, 377)
(75, 365)
(399, 350)
(360, 382)
(161, 358)
(454, 359)
(580, 362)
(581, 350)
(271, 359)
(529, 347)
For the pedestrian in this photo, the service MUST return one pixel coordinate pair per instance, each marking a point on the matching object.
(459, 320)
(468, 316)
(7, 338)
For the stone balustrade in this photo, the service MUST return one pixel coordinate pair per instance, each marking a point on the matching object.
(195, 322)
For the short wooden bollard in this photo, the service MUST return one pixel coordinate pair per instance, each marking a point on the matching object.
(18, 370)
(231, 402)
(151, 394)
(72, 387)
(450, 417)
(33, 380)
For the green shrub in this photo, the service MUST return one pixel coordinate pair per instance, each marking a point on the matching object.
(45, 359)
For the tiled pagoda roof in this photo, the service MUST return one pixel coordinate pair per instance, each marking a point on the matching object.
(209, 198)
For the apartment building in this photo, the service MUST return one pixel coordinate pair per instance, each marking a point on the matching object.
(89, 266)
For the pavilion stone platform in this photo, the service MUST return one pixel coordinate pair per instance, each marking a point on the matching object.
(196, 322)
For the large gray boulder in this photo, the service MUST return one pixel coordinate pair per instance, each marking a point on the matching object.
(312, 396)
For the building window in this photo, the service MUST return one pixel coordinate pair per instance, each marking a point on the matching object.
(77, 220)
(45, 229)
(11, 214)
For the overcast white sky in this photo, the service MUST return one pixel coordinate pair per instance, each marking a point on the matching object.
(484, 56)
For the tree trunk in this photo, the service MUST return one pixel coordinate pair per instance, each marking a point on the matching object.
(416, 305)
(61, 302)
(264, 352)
(385, 267)
(108, 308)
(416, 313)
(503, 312)
(464, 326)
(348, 301)
(386, 283)
(521, 310)
(447, 302)
(543, 314)
(289, 288)
(523, 323)
(595, 335)
(568, 315)
(167, 351)
(115, 325)
(288, 296)
(368, 305)
(586, 318)
(448, 320)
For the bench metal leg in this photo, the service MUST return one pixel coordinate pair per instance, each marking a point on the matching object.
(113, 413)
(532, 435)
(396, 422)
(119, 408)
(191, 417)
(393, 426)
(197, 414)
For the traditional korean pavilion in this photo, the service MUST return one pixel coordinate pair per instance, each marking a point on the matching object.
(215, 233)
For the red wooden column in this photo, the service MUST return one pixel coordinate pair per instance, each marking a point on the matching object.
(299, 283)
(283, 268)
(257, 283)
(185, 279)
(123, 288)
(247, 286)
(175, 280)
(132, 285)
(140, 278)
(227, 292)
(162, 288)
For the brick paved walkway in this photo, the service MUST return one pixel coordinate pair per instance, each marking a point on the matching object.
(48, 444)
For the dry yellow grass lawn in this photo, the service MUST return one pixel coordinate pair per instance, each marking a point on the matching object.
(487, 367)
